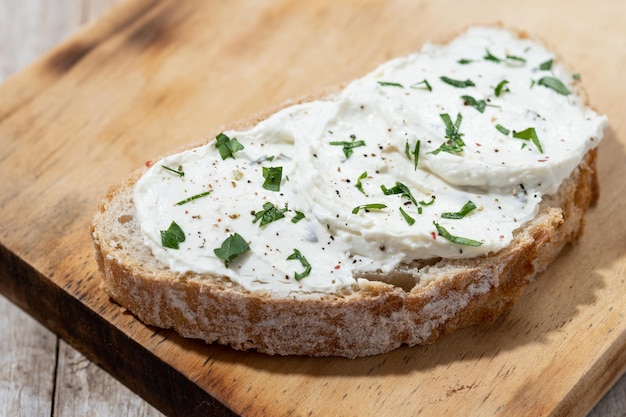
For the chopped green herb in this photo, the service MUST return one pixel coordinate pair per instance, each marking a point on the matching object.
(299, 216)
(455, 239)
(371, 206)
(529, 134)
(390, 84)
(576, 77)
(457, 83)
(178, 172)
(349, 146)
(499, 88)
(490, 57)
(296, 255)
(503, 129)
(269, 214)
(193, 197)
(410, 220)
(273, 177)
(465, 210)
(426, 85)
(226, 146)
(399, 188)
(464, 61)
(415, 154)
(546, 66)
(477, 104)
(171, 237)
(555, 84)
(359, 184)
(232, 247)
(455, 143)
(515, 58)
(427, 203)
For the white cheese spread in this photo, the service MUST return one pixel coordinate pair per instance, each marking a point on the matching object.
(479, 129)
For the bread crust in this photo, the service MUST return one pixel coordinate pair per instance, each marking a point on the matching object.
(448, 294)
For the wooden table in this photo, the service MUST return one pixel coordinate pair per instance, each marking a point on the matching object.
(40, 374)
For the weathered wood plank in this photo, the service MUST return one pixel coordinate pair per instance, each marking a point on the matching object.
(27, 364)
(84, 389)
(137, 66)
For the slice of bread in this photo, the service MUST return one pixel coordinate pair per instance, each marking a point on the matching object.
(414, 304)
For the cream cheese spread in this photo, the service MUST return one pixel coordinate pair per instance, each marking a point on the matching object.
(442, 153)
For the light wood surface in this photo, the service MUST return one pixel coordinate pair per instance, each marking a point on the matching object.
(153, 75)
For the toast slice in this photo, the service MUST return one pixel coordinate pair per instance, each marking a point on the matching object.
(413, 303)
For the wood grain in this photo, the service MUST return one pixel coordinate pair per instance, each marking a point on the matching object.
(37, 376)
(27, 365)
(157, 74)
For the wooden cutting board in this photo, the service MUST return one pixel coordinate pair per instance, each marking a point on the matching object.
(152, 75)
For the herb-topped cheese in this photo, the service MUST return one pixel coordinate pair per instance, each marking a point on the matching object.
(443, 153)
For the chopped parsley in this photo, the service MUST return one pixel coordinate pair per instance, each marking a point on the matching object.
(273, 177)
(500, 88)
(509, 58)
(226, 146)
(296, 255)
(546, 66)
(389, 84)
(503, 130)
(269, 214)
(359, 184)
(464, 61)
(428, 203)
(299, 216)
(555, 84)
(529, 134)
(349, 146)
(415, 154)
(367, 207)
(173, 236)
(410, 220)
(193, 197)
(465, 210)
(455, 239)
(491, 57)
(455, 143)
(515, 58)
(477, 104)
(178, 171)
(419, 85)
(232, 247)
(399, 188)
(457, 83)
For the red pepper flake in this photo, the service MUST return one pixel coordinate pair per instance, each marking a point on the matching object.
(434, 235)
(149, 163)
(542, 160)
(501, 237)
(478, 144)
(337, 266)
